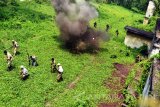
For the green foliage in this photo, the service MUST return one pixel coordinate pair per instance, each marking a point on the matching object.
(3, 2)
(130, 100)
(149, 27)
(42, 1)
(135, 5)
(33, 26)
(131, 4)
(81, 103)
(8, 2)
(146, 64)
(157, 3)
(143, 51)
(156, 56)
(1, 45)
(130, 77)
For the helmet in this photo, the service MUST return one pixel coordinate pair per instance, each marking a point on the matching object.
(21, 66)
(5, 51)
(58, 64)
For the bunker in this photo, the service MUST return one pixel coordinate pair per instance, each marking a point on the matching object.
(135, 38)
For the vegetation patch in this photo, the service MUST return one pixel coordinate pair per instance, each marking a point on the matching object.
(33, 26)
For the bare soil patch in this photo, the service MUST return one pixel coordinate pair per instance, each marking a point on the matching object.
(116, 83)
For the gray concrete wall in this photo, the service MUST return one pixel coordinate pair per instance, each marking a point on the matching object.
(136, 41)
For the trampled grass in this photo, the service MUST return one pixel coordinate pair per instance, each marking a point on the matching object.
(33, 26)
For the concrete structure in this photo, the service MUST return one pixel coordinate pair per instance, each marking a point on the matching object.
(150, 11)
(152, 86)
(156, 42)
(156, 63)
(136, 38)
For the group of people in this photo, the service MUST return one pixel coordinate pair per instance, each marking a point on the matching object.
(32, 62)
(107, 28)
(9, 56)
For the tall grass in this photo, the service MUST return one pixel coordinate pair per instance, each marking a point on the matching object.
(33, 26)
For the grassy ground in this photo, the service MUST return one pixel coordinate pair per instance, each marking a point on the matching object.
(33, 26)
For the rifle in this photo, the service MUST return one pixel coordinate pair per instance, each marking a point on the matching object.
(29, 59)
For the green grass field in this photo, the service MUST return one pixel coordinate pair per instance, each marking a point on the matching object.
(34, 27)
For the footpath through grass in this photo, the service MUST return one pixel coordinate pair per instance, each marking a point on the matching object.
(33, 26)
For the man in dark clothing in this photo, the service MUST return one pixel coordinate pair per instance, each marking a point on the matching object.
(107, 28)
(33, 60)
(117, 33)
(95, 24)
(53, 65)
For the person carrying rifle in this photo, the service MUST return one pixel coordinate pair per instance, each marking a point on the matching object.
(9, 59)
(23, 73)
(53, 65)
(60, 72)
(15, 47)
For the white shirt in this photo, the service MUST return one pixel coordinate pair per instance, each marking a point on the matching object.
(9, 56)
(24, 71)
(60, 69)
(15, 44)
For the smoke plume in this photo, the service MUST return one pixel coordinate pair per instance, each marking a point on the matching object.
(73, 18)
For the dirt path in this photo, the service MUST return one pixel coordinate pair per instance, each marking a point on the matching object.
(73, 84)
(116, 83)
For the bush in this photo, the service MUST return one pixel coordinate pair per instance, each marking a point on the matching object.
(8, 2)
(82, 103)
(130, 100)
(42, 1)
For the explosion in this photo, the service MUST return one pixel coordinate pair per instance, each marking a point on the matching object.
(73, 18)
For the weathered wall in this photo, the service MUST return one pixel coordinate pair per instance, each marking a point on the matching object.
(150, 10)
(136, 41)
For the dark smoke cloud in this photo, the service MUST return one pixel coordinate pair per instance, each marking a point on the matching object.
(73, 18)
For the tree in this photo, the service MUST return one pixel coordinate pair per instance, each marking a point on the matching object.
(157, 4)
(8, 2)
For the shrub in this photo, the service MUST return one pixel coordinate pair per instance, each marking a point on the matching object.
(42, 1)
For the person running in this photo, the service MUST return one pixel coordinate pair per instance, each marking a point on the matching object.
(15, 47)
(9, 59)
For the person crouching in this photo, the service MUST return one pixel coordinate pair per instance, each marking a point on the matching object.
(23, 73)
